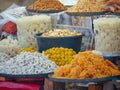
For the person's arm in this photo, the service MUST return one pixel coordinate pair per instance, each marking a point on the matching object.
(2, 79)
(111, 5)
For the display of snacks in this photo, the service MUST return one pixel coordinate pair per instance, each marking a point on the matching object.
(87, 65)
(60, 33)
(87, 6)
(29, 49)
(84, 65)
(47, 5)
(60, 56)
(107, 35)
(9, 46)
(27, 63)
(31, 25)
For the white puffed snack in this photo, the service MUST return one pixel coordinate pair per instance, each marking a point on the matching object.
(9, 46)
(107, 35)
(4, 57)
(28, 63)
(31, 25)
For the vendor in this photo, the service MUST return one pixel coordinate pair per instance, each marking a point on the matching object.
(6, 3)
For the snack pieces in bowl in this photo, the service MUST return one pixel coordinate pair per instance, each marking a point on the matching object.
(27, 63)
(60, 33)
(87, 65)
(60, 56)
(47, 5)
(59, 38)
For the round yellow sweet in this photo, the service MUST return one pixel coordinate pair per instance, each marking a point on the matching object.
(60, 56)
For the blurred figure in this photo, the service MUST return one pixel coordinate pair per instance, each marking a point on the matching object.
(4, 4)
(25, 2)
(112, 5)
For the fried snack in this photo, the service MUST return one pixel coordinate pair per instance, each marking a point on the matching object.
(47, 5)
(87, 6)
(87, 65)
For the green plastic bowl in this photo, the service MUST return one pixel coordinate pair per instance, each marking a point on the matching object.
(45, 43)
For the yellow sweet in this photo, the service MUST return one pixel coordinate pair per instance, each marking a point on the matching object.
(60, 56)
(29, 49)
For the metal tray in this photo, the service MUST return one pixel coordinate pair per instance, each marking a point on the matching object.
(114, 80)
(117, 13)
(92, 13)
(44, 11)
(96, 80)
(45, 75)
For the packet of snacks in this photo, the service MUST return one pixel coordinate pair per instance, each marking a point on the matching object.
(107, 35)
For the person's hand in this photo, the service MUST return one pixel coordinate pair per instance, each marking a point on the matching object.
(111, 5)
(2, 79)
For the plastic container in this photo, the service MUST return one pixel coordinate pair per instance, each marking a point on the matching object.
(45, 43)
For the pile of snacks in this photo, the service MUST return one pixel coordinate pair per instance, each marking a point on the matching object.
(47, 5)
(28, 63)
(87, 65)
(60, 56)
(60, 33)
(107, 30)
(31, 25)
(29, 49)
(87, 6)
(9, 46)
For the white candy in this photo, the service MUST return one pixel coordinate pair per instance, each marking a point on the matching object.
(28, 63)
